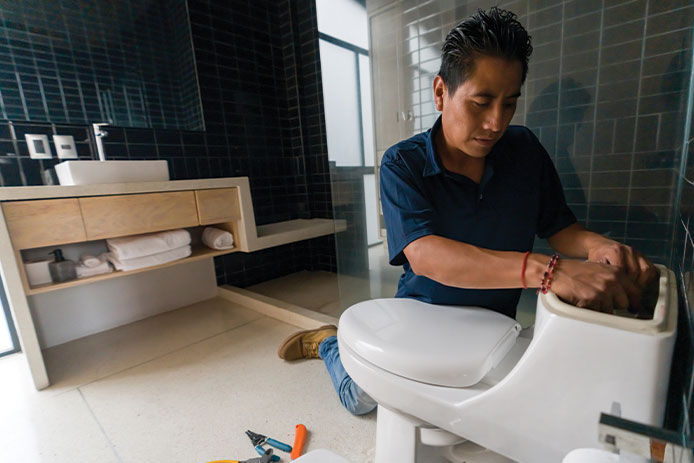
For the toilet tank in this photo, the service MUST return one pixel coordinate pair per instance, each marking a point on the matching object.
(663, 322)
(639, 349)
(580, 363)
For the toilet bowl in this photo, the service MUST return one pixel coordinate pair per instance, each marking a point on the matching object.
(465, 374)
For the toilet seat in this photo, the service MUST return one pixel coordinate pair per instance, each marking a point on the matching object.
(441, 345)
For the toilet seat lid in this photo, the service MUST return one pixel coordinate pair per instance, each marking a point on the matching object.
(443, 345)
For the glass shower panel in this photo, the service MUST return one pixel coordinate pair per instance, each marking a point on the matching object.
(371, 210)
(339, 72)
(5, 338)
(343, 19)
(366, 110)
(8, 335)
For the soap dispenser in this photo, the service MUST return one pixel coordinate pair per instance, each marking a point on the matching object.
(61, 269)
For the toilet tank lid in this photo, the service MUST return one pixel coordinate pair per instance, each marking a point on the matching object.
(444, 345)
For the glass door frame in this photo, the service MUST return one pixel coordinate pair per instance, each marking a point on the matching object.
(10, 322)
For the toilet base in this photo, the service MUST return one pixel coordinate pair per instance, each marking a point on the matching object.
(406, 440)
(469, 452)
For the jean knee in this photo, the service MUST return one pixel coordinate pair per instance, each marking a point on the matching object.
(355, 400)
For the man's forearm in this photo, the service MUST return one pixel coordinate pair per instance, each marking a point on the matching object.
(575, 241)
(462, 265)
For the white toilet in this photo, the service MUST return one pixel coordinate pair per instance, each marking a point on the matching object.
(460, 383)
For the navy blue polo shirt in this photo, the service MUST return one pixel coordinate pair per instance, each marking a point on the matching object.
(520, 196)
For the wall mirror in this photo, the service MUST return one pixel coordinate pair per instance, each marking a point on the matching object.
(129, 63)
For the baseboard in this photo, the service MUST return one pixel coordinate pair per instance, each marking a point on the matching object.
(274, 308)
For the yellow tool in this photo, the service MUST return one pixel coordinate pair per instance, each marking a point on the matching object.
(266, 458)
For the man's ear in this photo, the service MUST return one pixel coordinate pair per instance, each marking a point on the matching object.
(440, 92)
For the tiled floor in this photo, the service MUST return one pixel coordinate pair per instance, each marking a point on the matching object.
(184, 386)
(332, 293)
(179, 387)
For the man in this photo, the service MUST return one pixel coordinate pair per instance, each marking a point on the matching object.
(464, 201)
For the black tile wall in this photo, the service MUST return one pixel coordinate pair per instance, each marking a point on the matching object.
(624, 115)
(122, 62)
(260, 86)
(348, 195)
(605, 95)
(680, 407)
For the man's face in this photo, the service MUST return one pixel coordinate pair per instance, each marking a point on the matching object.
(477, 114)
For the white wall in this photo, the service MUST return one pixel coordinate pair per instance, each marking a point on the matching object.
(71, 313)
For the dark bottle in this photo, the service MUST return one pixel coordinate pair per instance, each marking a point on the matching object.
(61, 269)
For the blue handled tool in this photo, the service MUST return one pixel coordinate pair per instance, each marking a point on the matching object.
(258, 440)
(262, 451)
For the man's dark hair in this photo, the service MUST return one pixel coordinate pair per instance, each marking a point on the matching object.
(495, 33)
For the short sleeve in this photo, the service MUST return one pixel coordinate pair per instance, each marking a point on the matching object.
(555, 214)
(406, 211)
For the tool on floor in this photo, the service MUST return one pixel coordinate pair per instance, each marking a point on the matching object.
(299, 440)
(267, 457)
(258, 440)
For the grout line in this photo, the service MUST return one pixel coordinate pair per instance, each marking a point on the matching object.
(638, 107)
(98, 423)
(595, 116)
(559, 82)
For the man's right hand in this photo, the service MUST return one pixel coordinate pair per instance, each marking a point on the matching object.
(596, 286)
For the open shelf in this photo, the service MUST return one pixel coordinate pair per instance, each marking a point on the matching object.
(199, 252)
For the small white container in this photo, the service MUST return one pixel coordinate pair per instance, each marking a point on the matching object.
(37, 271)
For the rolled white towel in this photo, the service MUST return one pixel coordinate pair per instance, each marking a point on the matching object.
(84, 271)
(149, 261)
(217, 239)
(130, 247)
(89, 261)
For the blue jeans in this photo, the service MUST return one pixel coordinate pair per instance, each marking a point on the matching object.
(352, 397)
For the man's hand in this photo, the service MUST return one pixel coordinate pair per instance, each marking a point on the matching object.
(639, 269)
(596, 286)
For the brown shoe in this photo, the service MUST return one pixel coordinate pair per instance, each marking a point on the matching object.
(304, 344)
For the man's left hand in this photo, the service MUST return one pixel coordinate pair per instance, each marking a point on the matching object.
(639, 269)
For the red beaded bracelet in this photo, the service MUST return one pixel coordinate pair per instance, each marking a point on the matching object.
(546, 282)
(525, 264)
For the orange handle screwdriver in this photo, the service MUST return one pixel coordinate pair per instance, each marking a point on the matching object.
(299, 440)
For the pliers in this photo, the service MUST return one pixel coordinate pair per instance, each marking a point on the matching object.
(258, 440)
(266, 458)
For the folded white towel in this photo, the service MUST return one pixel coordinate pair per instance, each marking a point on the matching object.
(84, 271)
(217, 239)
(88, 260)
(129, 247)
(149, 261)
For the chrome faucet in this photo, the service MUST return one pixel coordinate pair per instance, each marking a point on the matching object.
(98, 135)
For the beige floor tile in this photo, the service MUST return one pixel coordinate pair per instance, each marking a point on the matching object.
(194, 404)
(311, 290)
(330, 293)
(87, 359)
(38, 427)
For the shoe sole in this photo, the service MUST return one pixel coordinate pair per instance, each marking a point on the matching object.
(292, 337)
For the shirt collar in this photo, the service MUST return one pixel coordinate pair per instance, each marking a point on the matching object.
(433, 162)
(434, 166)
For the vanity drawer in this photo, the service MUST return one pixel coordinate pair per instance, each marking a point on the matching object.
(219, 205)
(45, 222)
(112, 216)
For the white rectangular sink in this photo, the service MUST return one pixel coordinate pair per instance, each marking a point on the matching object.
(94, 172)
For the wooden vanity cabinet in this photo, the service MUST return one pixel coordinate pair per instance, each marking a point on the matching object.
(45, 222)
(37, 217)
(122, 215)
(50, 222)
(219, 205)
